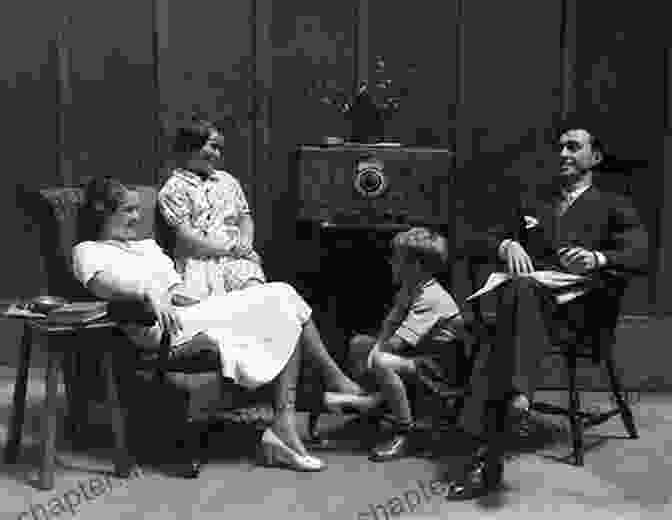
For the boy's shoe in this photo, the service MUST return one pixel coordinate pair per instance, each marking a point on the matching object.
(396, 447)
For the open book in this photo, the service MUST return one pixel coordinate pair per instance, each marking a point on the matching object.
(566, 285)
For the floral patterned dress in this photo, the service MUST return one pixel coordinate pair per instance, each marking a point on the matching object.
(213, 208)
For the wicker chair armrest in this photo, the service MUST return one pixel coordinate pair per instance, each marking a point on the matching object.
(131, 312)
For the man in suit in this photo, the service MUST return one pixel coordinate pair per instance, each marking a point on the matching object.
(573, 228)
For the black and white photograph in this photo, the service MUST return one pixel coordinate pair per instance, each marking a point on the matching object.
(362, 260)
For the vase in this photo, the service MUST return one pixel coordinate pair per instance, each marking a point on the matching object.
(367, 120)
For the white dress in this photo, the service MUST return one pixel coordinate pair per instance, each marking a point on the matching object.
(256, 329)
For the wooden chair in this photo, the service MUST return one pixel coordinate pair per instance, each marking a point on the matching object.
(54, 211)
(572, 343)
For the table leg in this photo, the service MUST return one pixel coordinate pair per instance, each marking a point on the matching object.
(75, 395)
(46, 481)
(19, 400)
(123, 465)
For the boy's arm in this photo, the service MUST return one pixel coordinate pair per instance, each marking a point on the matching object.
(387, 340)
(425, 313)
(391, 344)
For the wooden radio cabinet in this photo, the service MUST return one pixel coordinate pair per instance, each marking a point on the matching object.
(350, 201)
(370, 184)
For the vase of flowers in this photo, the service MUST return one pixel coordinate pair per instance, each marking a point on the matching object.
(373, 103)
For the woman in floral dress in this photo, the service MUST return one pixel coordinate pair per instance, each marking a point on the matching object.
(210, 217)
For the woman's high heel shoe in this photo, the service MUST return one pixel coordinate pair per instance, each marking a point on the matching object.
(349, 403)
(273, 452)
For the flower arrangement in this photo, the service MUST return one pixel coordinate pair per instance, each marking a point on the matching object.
(373, 103)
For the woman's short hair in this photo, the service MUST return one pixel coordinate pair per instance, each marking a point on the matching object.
(193, 136)
(426, 246)
(102, 197)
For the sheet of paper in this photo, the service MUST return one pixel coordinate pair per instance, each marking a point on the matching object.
(493, 281)
(18, 311)
(555, 280)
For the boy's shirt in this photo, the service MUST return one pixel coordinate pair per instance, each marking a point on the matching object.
(430, 318)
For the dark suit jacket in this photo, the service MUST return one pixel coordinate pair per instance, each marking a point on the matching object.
(597, 220)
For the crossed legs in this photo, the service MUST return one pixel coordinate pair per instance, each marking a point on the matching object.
(507, 370)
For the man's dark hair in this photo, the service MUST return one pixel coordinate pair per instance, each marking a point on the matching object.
(595, 142)
(193, 136)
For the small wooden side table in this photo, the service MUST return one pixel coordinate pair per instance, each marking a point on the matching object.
(36, 325)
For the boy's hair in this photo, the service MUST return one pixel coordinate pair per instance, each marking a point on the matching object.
(426, 246)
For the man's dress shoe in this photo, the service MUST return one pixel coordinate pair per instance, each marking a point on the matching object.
(483, 475)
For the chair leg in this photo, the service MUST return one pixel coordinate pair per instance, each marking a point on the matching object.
(193, 443)
(19, 399)
(75, 395)
(617, 391)
(123, 464)
(574, 410)
(46, 478)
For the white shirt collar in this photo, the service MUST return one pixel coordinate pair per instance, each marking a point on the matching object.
(576, 192)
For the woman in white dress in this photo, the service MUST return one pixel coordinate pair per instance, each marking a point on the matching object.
(259, 333)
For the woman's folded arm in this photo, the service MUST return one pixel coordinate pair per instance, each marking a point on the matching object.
(199, 243)
(107, 286)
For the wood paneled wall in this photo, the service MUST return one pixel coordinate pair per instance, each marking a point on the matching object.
(491, 80)
(28, 101)
(205, 66)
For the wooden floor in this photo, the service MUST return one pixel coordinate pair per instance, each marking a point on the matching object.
(622, 478)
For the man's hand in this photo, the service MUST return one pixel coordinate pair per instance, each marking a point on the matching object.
(517, 259)
(369, 359)
(577, 260)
